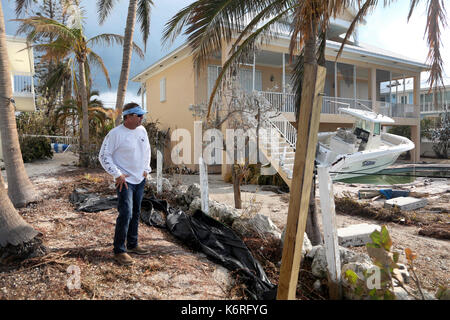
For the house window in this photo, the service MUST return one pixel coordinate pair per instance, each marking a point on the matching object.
(213, 73)
(404, 100)
(245, 79)
(162, 90)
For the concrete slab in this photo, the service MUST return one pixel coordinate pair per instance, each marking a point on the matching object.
(406, 203)
(356, 235)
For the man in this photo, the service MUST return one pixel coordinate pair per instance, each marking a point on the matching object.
(125, 154)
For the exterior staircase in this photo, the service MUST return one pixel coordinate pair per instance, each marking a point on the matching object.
(277, 140)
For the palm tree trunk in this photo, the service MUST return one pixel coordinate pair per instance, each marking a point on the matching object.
(67, 88)
(312, 223)
(13, 229)
(84, 152)
(126, 59)
(20, 189)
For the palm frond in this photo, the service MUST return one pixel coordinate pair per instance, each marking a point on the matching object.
(52, 50)
(209, 23)
(143, 15)
(279, 9)
(367, 7)
(175, 25)
(58, 74)
(248, 45)
(112, 38)
(38, 26)
(436, 18)
(412, 6)
(104, 8)
(96, 60)
(22, 6)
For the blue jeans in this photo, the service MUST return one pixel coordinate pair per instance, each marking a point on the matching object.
(129, 207)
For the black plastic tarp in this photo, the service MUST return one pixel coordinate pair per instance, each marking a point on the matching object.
(89, 202)
(202, 233)
(222, 246)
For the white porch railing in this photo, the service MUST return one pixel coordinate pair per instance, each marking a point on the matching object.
(283, 102)
(430, 107)
(398, 110)
(331, 105)
(22, 84)
(285, 128)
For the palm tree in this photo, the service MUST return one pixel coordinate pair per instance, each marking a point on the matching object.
(211, 24)
(142, 9)
(13, 229)
(72, 109)
(70, 41)
(20, 189)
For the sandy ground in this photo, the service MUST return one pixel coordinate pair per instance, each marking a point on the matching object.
(171, 271)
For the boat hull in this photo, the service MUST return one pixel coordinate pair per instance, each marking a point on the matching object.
(344, 166)
(351, 167)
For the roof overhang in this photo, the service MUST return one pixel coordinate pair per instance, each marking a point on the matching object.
(376, 56)
(363, 54)
(165, 62)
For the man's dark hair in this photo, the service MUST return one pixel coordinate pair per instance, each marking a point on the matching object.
(129, 105)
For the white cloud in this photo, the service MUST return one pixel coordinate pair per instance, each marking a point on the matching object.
(109, 98)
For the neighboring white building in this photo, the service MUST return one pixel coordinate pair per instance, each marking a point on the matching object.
(431, 104)
(21, 64)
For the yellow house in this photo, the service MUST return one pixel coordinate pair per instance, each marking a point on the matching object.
(362, 77)
(21, 63)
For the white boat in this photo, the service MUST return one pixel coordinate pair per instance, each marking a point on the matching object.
(362, 149)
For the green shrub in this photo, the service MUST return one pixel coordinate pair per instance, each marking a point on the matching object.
(35, 148)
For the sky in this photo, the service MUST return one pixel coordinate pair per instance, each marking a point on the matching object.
(385, 28)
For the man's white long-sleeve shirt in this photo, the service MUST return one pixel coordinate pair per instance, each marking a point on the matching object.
(126, 151)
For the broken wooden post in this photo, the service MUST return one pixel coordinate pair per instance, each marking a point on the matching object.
(308, 128)
(330, 232)
(159, 171)
(203, 185)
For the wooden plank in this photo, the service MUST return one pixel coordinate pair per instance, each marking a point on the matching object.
(159, 165)
(308, 128)
(330, 232)
(204, 185)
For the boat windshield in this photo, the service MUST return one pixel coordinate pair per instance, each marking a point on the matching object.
(362, 124)
(376, 128)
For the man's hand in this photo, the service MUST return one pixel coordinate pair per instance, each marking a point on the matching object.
(120, 182)
(145, 174)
